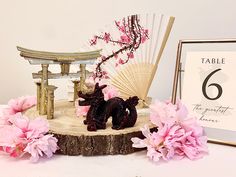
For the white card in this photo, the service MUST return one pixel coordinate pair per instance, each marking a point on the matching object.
(209, 88)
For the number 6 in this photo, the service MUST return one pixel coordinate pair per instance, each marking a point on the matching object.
(204, 84)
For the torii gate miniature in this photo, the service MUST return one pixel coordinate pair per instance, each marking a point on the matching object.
(45, 92)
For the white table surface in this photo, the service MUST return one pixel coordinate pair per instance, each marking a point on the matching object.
(220, 162)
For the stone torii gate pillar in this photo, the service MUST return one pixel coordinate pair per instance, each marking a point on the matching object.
(76, 84)
(50, 101)
(82, 77)
(38, 83)
(44, 84)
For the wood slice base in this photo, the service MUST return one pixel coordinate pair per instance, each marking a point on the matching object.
(74, 139)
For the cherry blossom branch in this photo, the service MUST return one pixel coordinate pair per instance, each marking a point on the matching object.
(131, 36)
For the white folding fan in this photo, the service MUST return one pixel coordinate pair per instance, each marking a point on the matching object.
(135, 76)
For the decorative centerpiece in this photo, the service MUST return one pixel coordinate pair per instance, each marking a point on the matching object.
(127, 65)
(128, 62)
(131, 51)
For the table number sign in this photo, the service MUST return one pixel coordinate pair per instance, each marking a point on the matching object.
(208, 87)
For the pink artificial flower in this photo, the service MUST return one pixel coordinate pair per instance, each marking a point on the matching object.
(9, 136)
(103, 57)
(120, 27)
(144, 36)
(161, 112)
(10, 141)
(93, 41)
(5, 116)
(110, 92)
(30, 128)
(179, 134)
(17, 151)
(37, 128)
(115, 55)
(141, 143)
(125, 39)
(107, 37)
(23, 135)
(121, 61)
(18, 132)
(105, 75)
(82, 110)
(117, 23)
(143, 39)
(14, 106)
(38, 147)
(130, 55)
(146, 32)
(21, 104)
(155, 143)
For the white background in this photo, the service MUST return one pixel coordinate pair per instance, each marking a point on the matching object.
(63, 25)
(219, 163)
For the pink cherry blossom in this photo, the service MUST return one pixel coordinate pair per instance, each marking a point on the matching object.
(155, 143)
(10, 141)
(115, 55)
(161, 112)
(46, 145)
(82, 110)
(179, 134)
(14, 106)
(22, 130)
(120, 26)
(21, 104)
(130, 55)
(143, 39)
(122, 29)
(121, 61)
(5, 116)
(107, 37)
(17, 151)
(125, 39)
(93, 41)
(9, 136)
(30, 128)
(110, 92)
(131, 36)
(37, 128)
(18, 132)
(144, 36)
(15, 138)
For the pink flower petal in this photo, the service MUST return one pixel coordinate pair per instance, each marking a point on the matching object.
(38, 147)
(21, 104)
(37, 128)
(138, 143)
(9, 136)
(153, 154)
